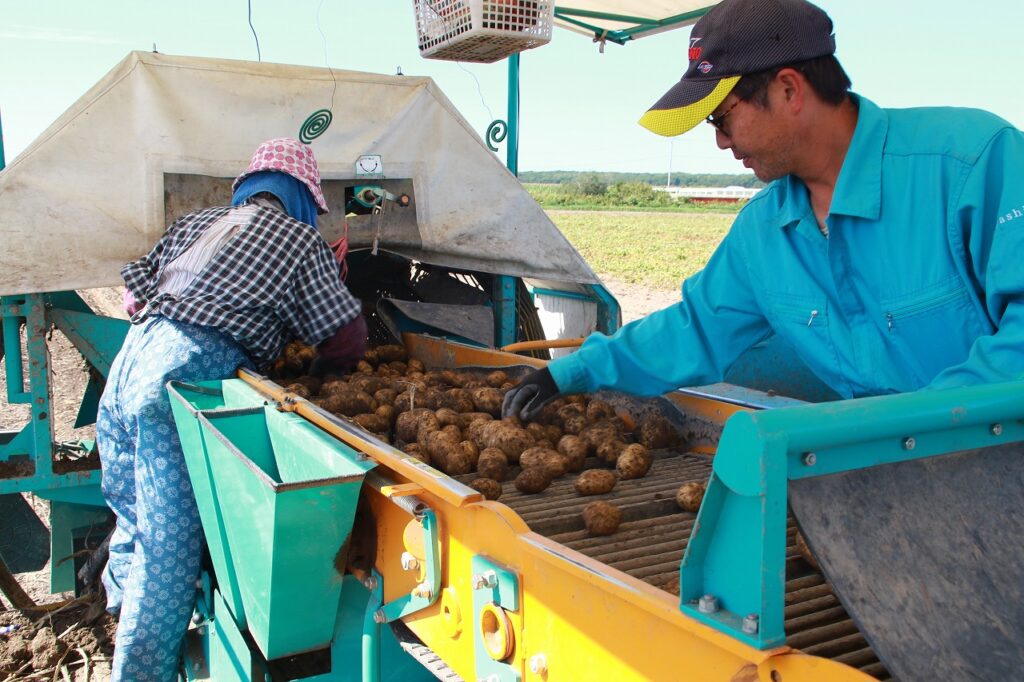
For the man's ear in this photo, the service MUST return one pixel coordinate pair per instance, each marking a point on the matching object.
(792, 89)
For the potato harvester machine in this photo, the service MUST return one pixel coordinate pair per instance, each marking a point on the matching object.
(335, 556)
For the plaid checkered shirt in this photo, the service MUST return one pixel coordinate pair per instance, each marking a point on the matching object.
(275, 280)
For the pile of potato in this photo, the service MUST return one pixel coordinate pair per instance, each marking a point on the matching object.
(452, 420)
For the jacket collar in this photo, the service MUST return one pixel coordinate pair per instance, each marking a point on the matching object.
(858, 189)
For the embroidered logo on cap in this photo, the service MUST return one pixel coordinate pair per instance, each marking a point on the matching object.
(694, 53)
(704, 67)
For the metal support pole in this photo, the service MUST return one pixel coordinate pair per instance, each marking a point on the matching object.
(512, 147)
(3, 162)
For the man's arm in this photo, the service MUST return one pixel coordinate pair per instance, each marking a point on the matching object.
(690, 343)
(990, 222)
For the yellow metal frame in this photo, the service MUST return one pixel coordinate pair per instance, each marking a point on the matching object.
(589, 621)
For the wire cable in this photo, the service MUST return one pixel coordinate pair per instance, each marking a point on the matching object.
(259, 57)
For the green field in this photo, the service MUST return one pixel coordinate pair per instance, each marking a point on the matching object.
(658, 250)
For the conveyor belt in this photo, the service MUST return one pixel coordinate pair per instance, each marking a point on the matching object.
(650, 542)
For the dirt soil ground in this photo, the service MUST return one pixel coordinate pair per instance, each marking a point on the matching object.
(75, 637)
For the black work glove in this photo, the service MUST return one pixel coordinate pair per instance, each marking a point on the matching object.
(525, 401)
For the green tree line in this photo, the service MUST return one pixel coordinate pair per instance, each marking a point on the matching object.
(609, 178)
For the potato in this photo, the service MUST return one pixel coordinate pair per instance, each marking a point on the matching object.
(496, 378)
(475, 433)
(488, 486)
(370, 384)
(438, 444)
(599, 432)
(511, 440)
(575, 451)
(690, 495)
(453, 430)
(398, 367)
(312, 383)
(532, 481)
(385, 396)
(414, 450)
(391, 352)
(805, 552)
(472, 451)
(372, 422)
(570, 410)
(656, 432)
(363, 367)
(410, 400)
(456, 462)
(415, 365)
(577, 399)
(300, 390)
(634, 462)
(598, 410)
(595, 482)
(467, 418)
(601, 518)
(457, 399)
(513, 420)
(407, 425)
(574, 423)
(552, 433)
(537, 431)
(446, 416)
(492, 464)
(350, 403)
(387, 412)
(552, 461)
(608, 451)
(336, 386)
(486, 400)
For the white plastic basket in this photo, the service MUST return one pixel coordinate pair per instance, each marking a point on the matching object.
(481, 30)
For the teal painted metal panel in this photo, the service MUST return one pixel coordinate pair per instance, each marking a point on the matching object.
(609, 315)
(293, 492)
(97, 338)
(736, 551)
(504, 297)
(67, 522)
(498, 585)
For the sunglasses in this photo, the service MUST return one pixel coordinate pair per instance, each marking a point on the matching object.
(719, 121)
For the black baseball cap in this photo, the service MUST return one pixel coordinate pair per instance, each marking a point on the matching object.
(735, 38)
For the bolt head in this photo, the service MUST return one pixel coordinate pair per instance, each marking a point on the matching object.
(538, 664)
(378, 617)
(997, 429)
(409, 562)
(708, 604)
(487, 580)
(909, 443)
(810, 459)
(370, 583)
(751, 624)
(422, 590)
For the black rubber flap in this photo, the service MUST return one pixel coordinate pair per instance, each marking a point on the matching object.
(473, 322)
(927, 556)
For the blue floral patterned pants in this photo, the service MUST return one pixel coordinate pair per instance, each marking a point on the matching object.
(157, 544)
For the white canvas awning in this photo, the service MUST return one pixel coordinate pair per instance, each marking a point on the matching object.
(89, 194)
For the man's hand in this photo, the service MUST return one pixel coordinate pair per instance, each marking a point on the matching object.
(536, 390)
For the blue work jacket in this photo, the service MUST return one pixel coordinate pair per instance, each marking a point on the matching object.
(920, 281)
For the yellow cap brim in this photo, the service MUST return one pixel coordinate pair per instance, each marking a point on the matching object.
(664, 119)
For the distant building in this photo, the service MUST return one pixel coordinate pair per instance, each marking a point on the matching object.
(712, 194)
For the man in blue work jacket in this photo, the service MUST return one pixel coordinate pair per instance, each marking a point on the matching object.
(886, 249)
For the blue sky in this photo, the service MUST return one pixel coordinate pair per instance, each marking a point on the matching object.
(578, 107)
